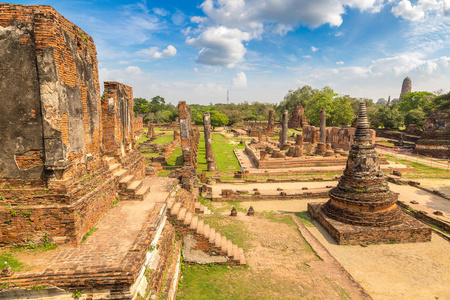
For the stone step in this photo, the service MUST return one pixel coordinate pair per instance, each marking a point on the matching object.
(197, 205)
(175, 209)
(194, 223)
(188, 218)
(125, 182)
(201, 208)
(230, 248)
(170, 203)
(200, 225)
(224, 245)
(206, 211)
(134, 186)
(212, 235)
(206, 229)
(242, 257)
(181, 214)
(114, 166)
(235, 253)
(120, 174)
(218, 240)
(110, 160)
(142, 193)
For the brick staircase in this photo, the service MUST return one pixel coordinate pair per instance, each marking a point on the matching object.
(130, 186)
(189, 223)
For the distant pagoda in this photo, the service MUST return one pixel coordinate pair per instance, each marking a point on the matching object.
(362, 208)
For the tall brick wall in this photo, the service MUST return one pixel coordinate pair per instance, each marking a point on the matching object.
(52, 156)
(118, 119)
(53, 73)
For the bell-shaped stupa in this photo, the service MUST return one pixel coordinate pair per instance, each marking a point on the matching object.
(362, 196)
(362, 208)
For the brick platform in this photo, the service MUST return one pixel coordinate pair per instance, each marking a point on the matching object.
(411, 230)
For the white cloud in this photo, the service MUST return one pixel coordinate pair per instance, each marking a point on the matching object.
(250, 14)
(195, 70)
(409, 11)
(383, 76)
(153, 52)
(160, 11)
(220, 46)
(340, 62)
(314, 49)
(306, 56)
(240, 81)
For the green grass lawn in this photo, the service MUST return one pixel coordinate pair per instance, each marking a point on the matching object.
(223, 151)
(420, 170)
(176, 159)
(164, 139)
(386, 144)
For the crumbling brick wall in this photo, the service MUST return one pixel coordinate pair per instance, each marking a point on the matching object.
(117, 115)
(50, 89)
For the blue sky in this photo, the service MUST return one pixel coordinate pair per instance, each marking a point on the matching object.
(260, 49)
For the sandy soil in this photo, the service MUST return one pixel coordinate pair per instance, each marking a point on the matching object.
(442, 185)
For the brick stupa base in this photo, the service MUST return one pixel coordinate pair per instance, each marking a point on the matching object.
(409, 231)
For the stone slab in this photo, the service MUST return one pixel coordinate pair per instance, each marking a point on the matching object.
(410, 231)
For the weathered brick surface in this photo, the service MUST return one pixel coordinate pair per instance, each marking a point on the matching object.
(117, 119)
(361, 207)
(298, 117)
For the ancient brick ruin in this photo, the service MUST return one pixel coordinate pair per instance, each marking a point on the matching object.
(435, 140)
(406, 87)
(284, 128)
(117, 114)
(210, 160)
(298, 117)
(362, 208)
(67, 156)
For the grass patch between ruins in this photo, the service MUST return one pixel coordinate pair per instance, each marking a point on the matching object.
(223, 151)
(231, 228)
(420, 170)
(8, 259)
(164, 139)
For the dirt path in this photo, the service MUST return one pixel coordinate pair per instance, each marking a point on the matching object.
(279, 255)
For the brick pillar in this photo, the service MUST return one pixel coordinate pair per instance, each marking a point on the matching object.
(185, 132)
(323, 126)
(270, 123)
(176, 135)
(283, 137)
(210, 160)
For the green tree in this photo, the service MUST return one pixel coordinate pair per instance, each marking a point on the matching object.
(416, 117)
(416, 100)
(301, 95)
(140, 106)
(157, 104)
(389, 117)
(338, 109)
(218, 119)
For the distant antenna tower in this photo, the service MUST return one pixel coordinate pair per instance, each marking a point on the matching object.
(228, 96)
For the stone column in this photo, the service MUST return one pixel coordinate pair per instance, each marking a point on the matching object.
(260, 137)
(271, 122)
(262, 155)
(176, 135)
(210, 160)
(298, 151)
(151, 131)
(323, 126)
(283, 137)
(185, 132)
